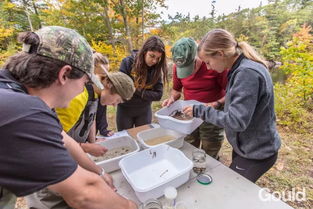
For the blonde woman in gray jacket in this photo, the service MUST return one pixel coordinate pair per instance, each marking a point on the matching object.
(248, 117)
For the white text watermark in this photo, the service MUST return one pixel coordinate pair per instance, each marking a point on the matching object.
(292, 195)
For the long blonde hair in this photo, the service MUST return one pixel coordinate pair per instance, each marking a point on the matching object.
(222, 40)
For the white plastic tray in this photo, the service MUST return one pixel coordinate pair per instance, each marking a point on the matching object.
(150, 171)
(145, 135)
(182, 126)
(112, 164)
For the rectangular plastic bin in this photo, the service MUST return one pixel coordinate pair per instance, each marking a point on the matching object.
(112, 164)
(182, 126)
(149, 134)
(150, 171)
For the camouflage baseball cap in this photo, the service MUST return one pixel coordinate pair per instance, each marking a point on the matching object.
(68, 46)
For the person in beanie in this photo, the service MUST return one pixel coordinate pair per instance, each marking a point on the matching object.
(248, 117)
(197, 82)
(53, 67)
(79, 118)
(147, 67)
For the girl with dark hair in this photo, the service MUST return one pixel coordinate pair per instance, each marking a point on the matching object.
(148, 68)
(248, 117)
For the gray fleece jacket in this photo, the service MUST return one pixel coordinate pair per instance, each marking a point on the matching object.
(248, 116)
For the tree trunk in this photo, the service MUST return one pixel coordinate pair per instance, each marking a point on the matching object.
(107, 22)
(27, 14)
(142, 21)
(127, 32)
(36, 12)
(29, 21)
(138, 32)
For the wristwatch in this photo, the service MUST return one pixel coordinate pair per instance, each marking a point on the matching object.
(102, 172)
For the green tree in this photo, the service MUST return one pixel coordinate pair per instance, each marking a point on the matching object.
(297, 60)
(31, 11)
(294, 98)
(12, 21)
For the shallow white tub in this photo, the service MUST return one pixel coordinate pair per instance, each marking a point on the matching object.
(149, 134)
(150, 171)
(112, 164)
(182, 126)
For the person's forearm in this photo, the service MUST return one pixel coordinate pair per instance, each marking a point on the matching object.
(218, 104)
(221, 100)
(85, 147)
(98, 195)
(79, 155)
(151, 95)
(84, 190)
(175, 95)
(92, 133)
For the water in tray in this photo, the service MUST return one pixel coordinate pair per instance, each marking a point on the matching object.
(153, 174)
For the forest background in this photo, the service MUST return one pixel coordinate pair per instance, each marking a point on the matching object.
(281, 31)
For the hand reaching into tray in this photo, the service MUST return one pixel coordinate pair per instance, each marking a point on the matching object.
(168, 102)
(177, 114)
(94, 149)
(188, 111)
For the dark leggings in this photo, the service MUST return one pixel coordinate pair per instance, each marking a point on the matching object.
(129, 117)
(251, 169)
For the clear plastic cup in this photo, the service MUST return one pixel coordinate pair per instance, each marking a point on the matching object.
(151, 204)
(199, 161)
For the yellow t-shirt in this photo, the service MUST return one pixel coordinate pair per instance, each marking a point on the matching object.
(69, 116)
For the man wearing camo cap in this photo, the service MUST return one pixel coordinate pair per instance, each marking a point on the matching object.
(53, 68)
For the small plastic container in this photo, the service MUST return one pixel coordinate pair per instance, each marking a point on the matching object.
(170, 194)
(112, 164)
(181, 126)
(146, 135)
